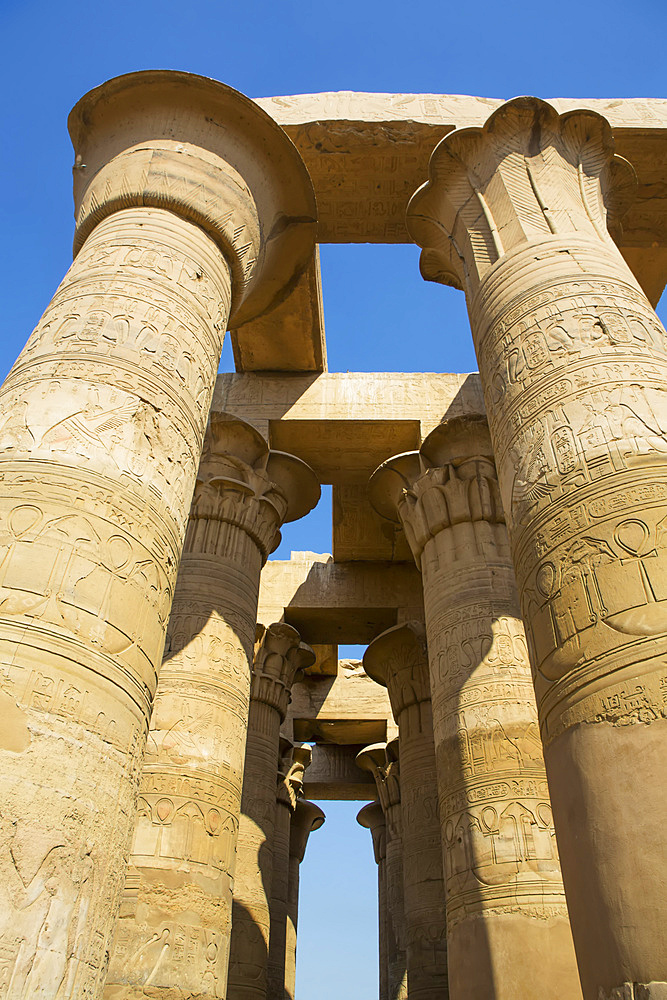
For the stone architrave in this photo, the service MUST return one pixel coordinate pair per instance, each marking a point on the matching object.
(371, 816)
(305, 818)
(398, 660)
(193, 210)
(175, 918)
(293, 762)
(381, 760)
(573, 361)
(508, 934)
(280, 654)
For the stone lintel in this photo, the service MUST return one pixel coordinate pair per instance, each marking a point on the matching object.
(345, 425)
(290, 338)
(295, 408)
(368, 153)
(334, 775)
(348, 697)
(332, 602)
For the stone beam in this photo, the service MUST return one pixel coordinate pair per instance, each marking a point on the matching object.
(344, 425)
(290, 338)
(368, 153)
(343, 420)
(340, 714)
(331, 602)
(333, 774)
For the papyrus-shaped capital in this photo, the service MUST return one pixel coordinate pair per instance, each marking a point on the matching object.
(242, 483)
(279, 656)
(177, 141)
(398, 659)
(371, 817)
(306, 818)
(526, 174)
(450, 483)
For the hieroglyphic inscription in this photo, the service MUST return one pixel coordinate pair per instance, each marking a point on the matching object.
(582, 446)
(99, 444)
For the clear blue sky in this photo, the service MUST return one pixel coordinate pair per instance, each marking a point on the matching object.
(379, 314)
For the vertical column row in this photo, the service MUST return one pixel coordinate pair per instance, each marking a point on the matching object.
(382, 762)
(280, 654)
(175, 919)
(397, 659)
(508, 932)
(179, 183)
(573, 362)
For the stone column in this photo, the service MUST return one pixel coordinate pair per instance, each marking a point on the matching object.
(397, 659)
(371, 816)
(305, 818)
(183, 226)
(293, 762)
(508, 929)
(280, 654)
(382, 762)
(175, 919)
(574, 362)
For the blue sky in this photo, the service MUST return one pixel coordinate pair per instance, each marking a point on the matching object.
(379, 314)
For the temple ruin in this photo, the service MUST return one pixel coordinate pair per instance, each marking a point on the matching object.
(173, 701)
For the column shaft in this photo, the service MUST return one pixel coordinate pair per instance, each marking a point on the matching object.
(573, 362)
(397, 980)
(397, 658)
(254, 863)
(305, 818)
(108, 421)
(175, 918)
(278, 658)
(507, 917)
(423, 883)
(372, 817)
(508, 929)
(292, 927)
(279, 896)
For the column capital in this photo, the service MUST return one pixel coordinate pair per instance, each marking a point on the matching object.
(166, 139)
(450, 481)
(293, 762)
(526, 175)
(305, 818)
(242, 483)
(279, 655)
(381, 760)
(398, 660)
(371, 817)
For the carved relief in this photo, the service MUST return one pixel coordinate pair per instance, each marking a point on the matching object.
(573, 362)
(498, 849)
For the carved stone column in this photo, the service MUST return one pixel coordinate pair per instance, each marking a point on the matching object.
(371, 816)
(305, 818)
(193, 210)
(280, 654)
(574, 366)
(508, 930)
(397, 659)
(293, 762)
(175, 920)
(382, 762)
